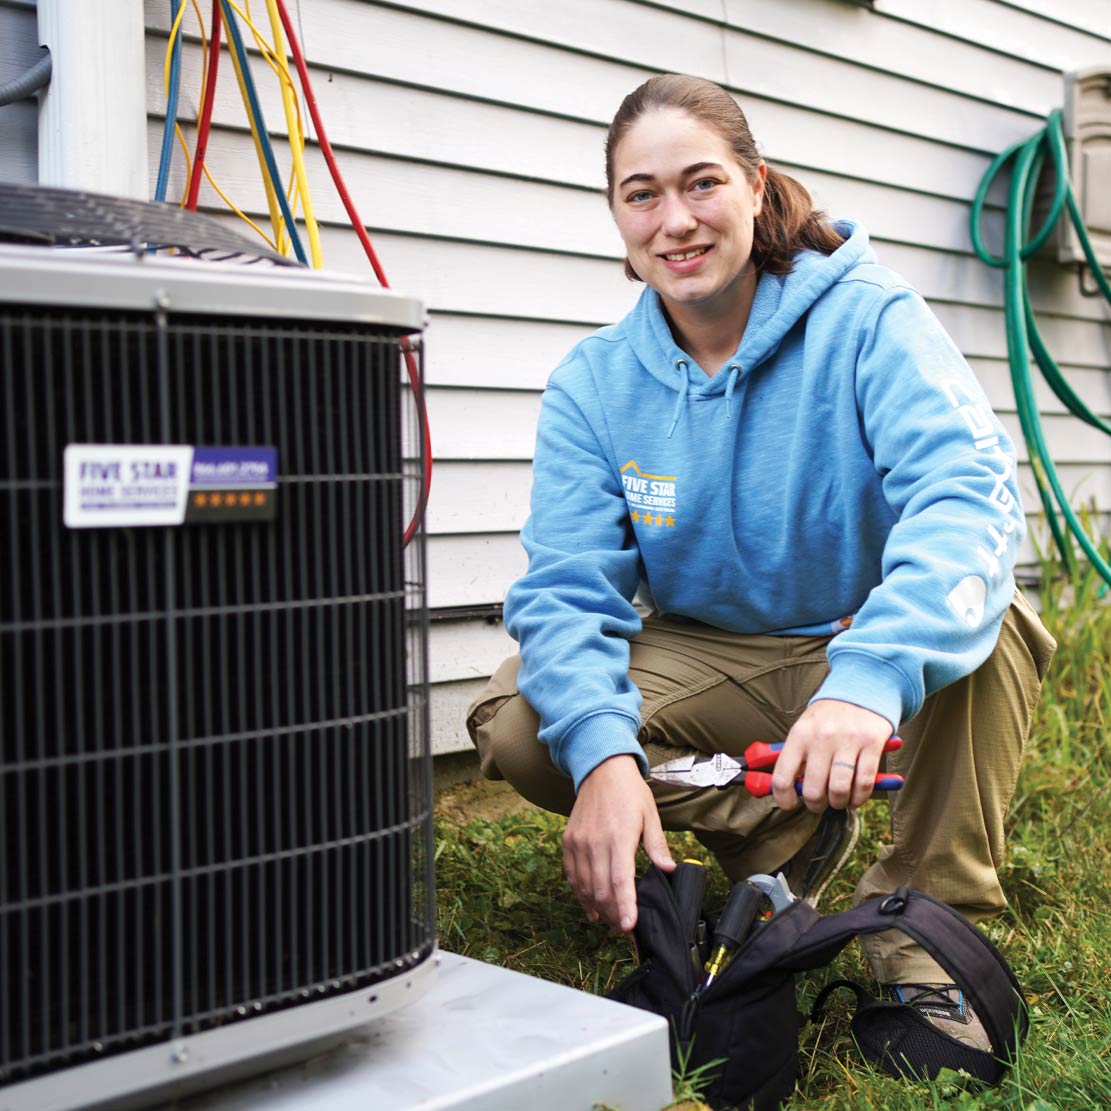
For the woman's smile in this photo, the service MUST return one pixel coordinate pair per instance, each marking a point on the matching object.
(687, 260)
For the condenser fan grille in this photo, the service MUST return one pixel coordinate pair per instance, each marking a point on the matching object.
(211, 807)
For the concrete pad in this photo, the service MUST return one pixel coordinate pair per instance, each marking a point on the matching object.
(480, 1039)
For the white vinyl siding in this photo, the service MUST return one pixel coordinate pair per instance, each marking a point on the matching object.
(471, 131)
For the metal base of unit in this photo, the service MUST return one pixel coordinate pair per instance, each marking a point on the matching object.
(168, 1070)
(481, 1039)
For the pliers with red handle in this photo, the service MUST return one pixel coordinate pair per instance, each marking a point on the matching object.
(749, 770)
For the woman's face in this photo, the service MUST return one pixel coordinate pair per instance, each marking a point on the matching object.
(685, 209)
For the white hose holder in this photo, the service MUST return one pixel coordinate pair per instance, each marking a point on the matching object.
(1087, 128)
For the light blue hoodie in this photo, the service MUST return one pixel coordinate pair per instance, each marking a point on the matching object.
(844, 463)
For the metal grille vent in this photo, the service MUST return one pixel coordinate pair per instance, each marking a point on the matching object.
(68, 217)
(213, 751)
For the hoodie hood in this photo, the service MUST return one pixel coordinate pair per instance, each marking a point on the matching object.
(780, 302)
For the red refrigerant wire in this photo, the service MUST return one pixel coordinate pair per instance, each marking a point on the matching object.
(368, 247)
(205, 122)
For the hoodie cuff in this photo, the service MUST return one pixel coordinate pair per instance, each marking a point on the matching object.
(597, 738)
(871, 683)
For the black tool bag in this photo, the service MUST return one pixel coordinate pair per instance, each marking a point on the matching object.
(748, 1019)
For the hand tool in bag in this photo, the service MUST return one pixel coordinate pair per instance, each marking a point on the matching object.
(776, 888)
(732, 928)
(742, 909)
(750, 770)
(688, 885)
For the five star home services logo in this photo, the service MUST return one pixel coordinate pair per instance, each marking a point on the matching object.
(651, 497)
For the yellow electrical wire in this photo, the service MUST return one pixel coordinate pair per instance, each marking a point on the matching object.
(204, 40)
(271, 197)
(275, 58)
(242, 216)
(275, 62)
(170, 50)
(296, 144)
(282, 72)
(189, 166)
(297, 186)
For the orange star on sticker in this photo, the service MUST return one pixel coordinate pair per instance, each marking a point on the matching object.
(636, 517)
(670, 522)
(659, 520)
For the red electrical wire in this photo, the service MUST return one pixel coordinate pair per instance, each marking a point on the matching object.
(326, 147)
(368, 247)
(205, 122)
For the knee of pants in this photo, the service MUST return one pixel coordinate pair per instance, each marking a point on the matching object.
(503, 727)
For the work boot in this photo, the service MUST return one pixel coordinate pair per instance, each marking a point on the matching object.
(810, 871)
(946, 1007)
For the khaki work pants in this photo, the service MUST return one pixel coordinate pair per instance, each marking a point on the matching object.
(715, 691)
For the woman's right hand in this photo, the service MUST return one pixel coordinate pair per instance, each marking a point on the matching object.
(613, 813)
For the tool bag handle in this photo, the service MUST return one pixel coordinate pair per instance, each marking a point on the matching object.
(966, 955)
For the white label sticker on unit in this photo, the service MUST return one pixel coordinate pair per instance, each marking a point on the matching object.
(121, 485)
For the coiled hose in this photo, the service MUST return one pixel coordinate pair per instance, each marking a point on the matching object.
(1023, 338)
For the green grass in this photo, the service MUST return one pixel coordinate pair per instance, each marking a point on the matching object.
(502, 899)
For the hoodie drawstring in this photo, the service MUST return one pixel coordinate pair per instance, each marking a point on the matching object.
(681, 367)
(730, 385)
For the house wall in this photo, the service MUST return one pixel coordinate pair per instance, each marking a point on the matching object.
(470, 133)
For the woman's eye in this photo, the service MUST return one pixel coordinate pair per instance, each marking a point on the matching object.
(639, 195)
(704, 183)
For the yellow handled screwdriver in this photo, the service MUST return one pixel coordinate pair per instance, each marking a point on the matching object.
(733, 925)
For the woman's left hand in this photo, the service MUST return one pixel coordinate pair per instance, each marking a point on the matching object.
(836, 748)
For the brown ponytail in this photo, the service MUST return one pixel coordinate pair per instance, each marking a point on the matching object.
(788, 221)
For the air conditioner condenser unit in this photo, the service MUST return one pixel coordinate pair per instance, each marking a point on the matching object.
(216, 777)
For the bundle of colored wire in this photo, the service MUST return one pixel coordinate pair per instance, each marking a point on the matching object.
(299, 185)
(171, 83)
(1023, 337)
(258, 131)
(368, 247)
(172, 74)
(296, 137)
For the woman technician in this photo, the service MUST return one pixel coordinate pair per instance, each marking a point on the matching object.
(784, 454)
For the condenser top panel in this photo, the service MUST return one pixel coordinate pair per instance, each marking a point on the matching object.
(128, 280)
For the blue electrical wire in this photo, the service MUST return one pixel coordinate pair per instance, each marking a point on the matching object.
(171, 108)
(263, 137)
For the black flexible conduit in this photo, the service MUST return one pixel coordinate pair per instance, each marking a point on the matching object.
(29, 83)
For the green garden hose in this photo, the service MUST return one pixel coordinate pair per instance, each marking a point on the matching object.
(1023, 337)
